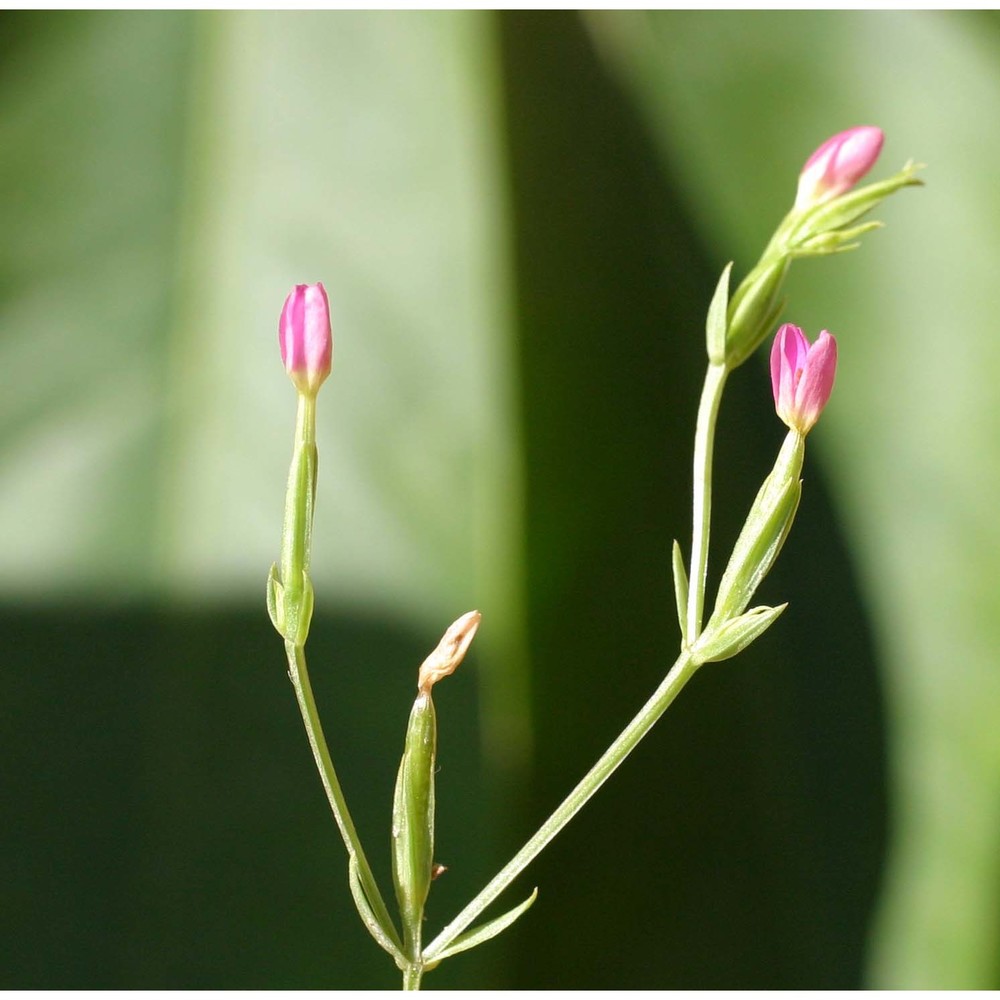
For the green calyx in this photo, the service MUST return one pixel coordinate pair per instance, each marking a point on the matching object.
(840, 212)
(413, 821)
(290, 608)
(768, 523)
(755, 307)
(289, 589)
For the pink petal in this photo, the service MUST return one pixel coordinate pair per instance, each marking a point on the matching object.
(816, 383)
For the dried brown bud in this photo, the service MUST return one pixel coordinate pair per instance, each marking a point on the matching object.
(450, 651)
(437, 870)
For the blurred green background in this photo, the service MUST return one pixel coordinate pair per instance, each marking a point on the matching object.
(519, 219)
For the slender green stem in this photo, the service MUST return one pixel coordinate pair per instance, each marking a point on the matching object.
(412, 975)
(679, 675)
(704, 445)
(317, 741)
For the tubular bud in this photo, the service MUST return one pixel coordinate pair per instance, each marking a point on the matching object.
(838, 165)
(305, 337)
(802, 376)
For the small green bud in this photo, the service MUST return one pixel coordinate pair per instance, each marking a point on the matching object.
(754, 308)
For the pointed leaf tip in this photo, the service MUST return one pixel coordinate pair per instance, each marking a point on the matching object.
(485, 932)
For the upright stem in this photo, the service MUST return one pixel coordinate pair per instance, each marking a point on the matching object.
(704, 444)
(317, 741)
(679, 675)
(412, 975)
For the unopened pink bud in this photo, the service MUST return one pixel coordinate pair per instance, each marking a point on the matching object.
(305, 337)
(838, 165)
(802, 376)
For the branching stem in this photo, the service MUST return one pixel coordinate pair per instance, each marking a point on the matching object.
(681, 672)
(704, 446)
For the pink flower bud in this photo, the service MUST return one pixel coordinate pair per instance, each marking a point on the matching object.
(838, 165)
(305, 337)
(802, 376)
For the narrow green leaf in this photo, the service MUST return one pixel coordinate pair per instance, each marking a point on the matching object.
(276, 599)
(715, 325)
(484, 932)
(736, 635)
(385, 936)
(680, 590)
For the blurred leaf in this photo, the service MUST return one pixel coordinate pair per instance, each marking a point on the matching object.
(739, 846)
(911, 438)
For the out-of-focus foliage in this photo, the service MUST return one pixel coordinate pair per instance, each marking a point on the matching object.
(912, 444)
(520, 219)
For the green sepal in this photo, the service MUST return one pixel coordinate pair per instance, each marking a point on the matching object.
(386, 937)
(290, 612)
(304, 611)
(768, 325)
(716, 321)
(751, 308)
(680, 590)
(484, 932)
(764, 533)
(413, 821)
(849, 207)
(837, 241)
(276, 600)
(735, 635)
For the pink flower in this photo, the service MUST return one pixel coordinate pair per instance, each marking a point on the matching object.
(802, 376)
(838, 165)
(305, 337)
